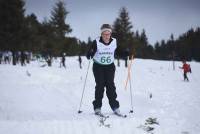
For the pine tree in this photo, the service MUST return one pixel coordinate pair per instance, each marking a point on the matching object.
(60, 28)
(48, 41)
(143, 38)
(122, 30)
(58, 18)
(144, 49)
(157, 50)
(32, 33)
(11, 24)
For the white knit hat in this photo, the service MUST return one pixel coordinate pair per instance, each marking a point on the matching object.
(106, 27)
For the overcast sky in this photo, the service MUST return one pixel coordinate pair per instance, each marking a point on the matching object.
(159, 18)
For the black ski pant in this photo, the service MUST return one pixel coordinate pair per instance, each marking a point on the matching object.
(104, 78)
(185, 76)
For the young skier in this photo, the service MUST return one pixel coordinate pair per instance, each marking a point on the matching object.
(102, 51)
(186, 68)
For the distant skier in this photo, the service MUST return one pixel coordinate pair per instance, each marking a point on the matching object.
(23, 58)
(62, 63)
(102, 51)
(80, 61)
(186, 68)
(49, 60)
(6, 57)
(1, 56)
(125, 56)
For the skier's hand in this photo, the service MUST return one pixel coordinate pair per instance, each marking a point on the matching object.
(89, 56)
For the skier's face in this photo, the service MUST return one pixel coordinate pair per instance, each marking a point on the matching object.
(106, 36)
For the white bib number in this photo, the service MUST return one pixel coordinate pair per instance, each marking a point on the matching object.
(106, 60)
(105, 53)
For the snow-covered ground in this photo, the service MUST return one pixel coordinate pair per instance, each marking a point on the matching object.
(45, 100)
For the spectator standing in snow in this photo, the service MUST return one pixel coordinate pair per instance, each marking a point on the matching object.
(126, 55)
(186, 68)
(6, 57)
(1, 56)
(62, 63)
(23, 58)
(80, 61)
(49, 60)
(102, 51)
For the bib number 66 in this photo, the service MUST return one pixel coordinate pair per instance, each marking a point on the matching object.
(105, 59)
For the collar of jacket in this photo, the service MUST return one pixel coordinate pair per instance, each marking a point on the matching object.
(101, 40)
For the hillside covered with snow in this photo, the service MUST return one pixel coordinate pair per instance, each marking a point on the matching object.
(45, 100)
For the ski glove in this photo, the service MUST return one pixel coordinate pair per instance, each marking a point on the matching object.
(89, 55)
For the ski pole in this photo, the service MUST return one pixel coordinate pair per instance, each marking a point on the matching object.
(79, 111)
(129, 72)
(129, 79)
(131, 111)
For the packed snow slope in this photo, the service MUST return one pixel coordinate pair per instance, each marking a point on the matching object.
(45, 100)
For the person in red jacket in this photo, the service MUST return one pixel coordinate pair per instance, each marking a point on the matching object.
(186, 68)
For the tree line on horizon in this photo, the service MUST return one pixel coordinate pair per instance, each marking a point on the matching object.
(20, 32)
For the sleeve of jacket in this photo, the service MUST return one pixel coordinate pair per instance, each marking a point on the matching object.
(92, 50)
(117, 51)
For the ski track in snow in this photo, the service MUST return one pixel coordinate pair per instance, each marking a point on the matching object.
(45, 100)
